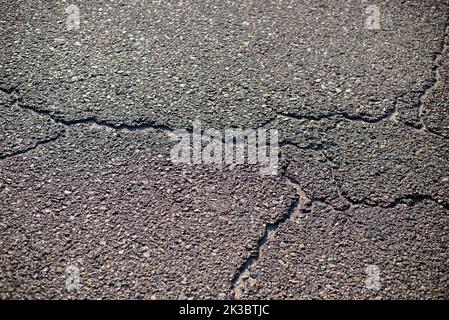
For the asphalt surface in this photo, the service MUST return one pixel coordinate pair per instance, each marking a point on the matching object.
(86, 178)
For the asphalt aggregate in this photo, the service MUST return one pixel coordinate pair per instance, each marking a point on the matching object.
(359, 208)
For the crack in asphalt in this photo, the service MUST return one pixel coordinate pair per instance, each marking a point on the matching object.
(338, 116)
(436, 79)
(331, 166)
(311, 146)
(302, 201)
(270, 229)
(34, 146)
(299, 203)
(410, 199)
(13, 91)
(393, 112)
(102, 123)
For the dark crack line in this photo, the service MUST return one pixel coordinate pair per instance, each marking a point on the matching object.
(393, 112)
(415, 199)
(255, 255)
(311, 199)
(269, 121)
(102, 123)
(32, 147)
(338, 116)
(270, 228)
(323, 200)
(436, 76)
(13, 90)
(311, 146)
(409, 200)
(331, 166)
(118, 126)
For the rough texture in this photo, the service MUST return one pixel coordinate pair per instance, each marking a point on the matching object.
(23, 130)
(136, 225)
(323, 254)
(86, 179)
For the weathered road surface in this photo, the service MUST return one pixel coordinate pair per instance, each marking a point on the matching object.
(359, 208)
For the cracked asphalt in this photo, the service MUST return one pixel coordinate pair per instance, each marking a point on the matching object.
(86, 178)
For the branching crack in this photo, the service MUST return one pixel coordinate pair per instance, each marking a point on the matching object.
(13, 91)
(393, 112)
(302, 201)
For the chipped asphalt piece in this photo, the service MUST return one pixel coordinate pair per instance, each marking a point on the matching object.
(87, 185)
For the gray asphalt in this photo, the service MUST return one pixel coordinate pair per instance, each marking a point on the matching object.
(86, 178)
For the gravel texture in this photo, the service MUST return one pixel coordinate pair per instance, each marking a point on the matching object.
(86, 178)
(137, 226)
(323, 254)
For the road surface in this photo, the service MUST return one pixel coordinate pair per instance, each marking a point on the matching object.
(358, 209)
